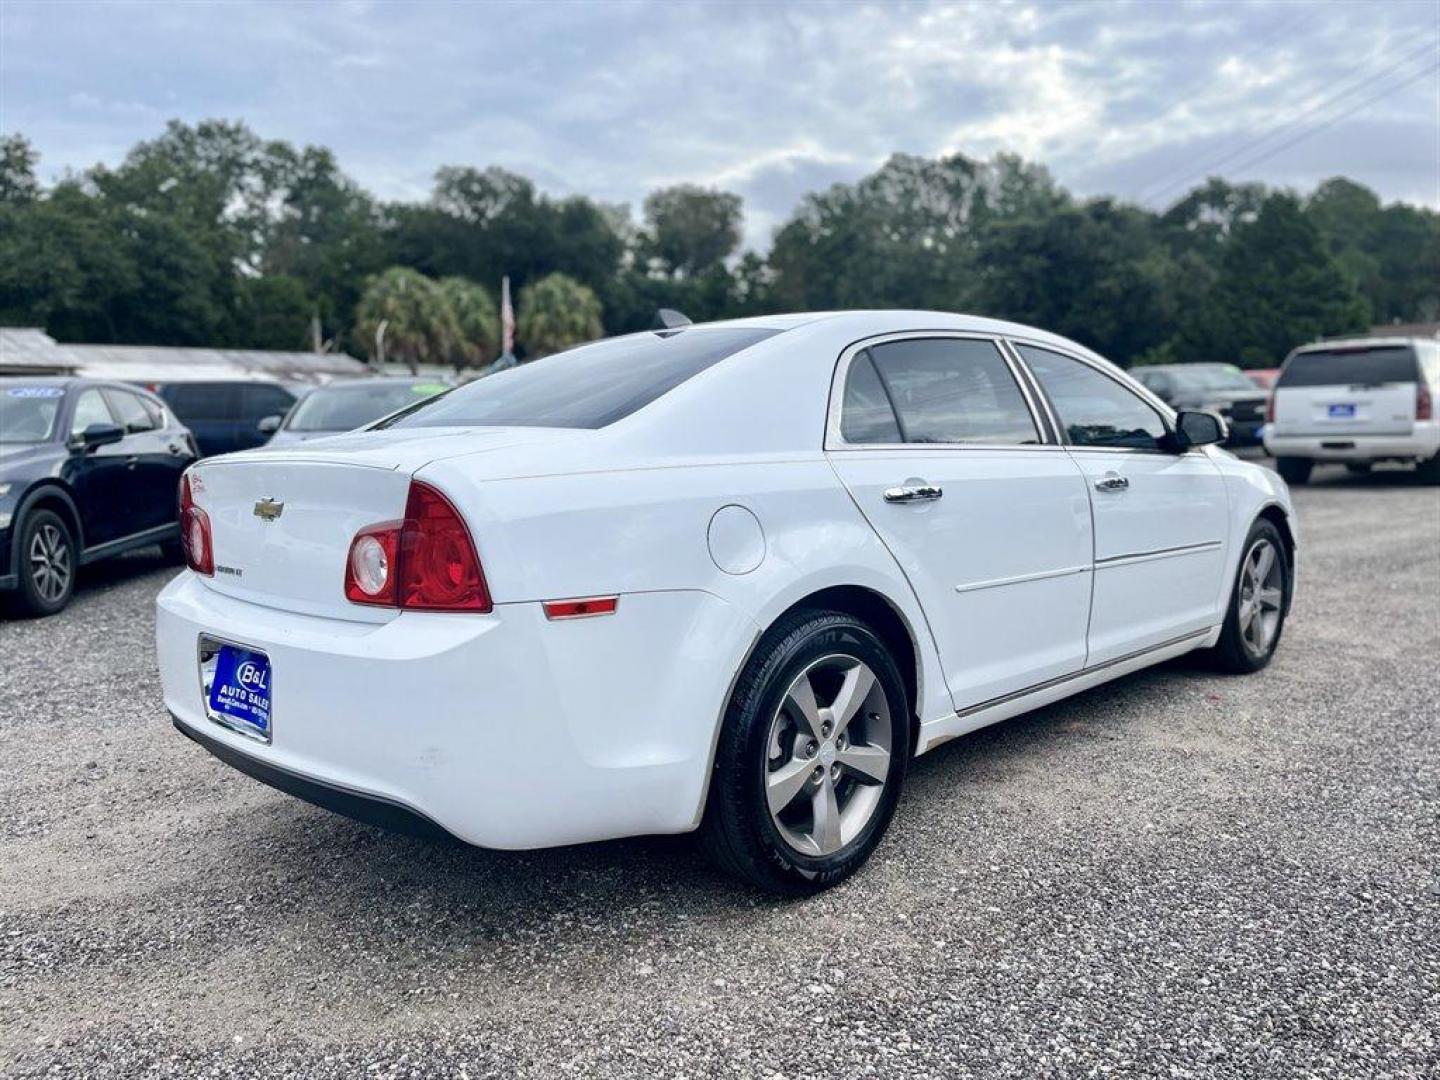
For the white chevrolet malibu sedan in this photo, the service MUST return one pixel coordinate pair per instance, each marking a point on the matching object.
(727, 578)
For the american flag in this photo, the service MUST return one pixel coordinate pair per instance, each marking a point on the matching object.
(507, 319)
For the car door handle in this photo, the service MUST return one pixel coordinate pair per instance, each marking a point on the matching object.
(132, 461)
(909, 493)
(1112, 481)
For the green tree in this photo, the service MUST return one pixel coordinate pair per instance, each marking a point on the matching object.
(419, 325)
(555, 313)
(17, 170)
(1278, 288)
(690, 230)
(477, 321)
(272, 312)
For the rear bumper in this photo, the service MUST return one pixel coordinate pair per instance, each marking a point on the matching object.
(1422, 443)
(503, 730)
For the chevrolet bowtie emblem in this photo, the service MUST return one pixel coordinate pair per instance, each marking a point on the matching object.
(269, 509)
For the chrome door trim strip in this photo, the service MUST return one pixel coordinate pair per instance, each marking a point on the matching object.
(1050, 684)
(1159, 553)
(1019, 579)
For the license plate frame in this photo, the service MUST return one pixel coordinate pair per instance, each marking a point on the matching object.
(245, 674)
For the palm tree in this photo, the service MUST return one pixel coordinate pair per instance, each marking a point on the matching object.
(476, 318)
(419, 324)
(555, 313)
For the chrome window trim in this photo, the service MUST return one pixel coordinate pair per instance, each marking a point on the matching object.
(836, 441)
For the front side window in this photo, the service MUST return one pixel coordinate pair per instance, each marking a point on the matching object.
(90, 409)
(1094, 409)
(261, 400)
(205, 401)
(130, 408)
(941, 390)
(590, 386)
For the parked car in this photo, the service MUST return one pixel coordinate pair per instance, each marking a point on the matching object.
(88, 469)
(1264, 378)
(344, 406)
(728, 577)
(1221, 388)
(225, 415)
(1357, 402)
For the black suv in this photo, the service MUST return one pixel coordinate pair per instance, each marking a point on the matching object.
(88, 469)
(226, 415)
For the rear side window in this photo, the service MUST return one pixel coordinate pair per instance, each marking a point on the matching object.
(90, 408)
(1094, 409)
(1350, 366)
(867, 415)
(951, 390)
(206, 401)
(586, 387)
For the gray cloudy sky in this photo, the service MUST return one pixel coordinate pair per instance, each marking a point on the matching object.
(770, 100)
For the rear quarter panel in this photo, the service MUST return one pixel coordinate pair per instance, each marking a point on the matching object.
(646, 530)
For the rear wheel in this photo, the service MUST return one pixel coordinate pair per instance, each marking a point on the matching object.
(811, 757)
(1428, 472)
(46, 564)
(1294, 470)
(1259, 603)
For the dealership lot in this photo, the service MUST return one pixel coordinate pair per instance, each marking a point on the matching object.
(1178, 874)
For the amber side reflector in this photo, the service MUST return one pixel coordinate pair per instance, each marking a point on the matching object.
(581, 609)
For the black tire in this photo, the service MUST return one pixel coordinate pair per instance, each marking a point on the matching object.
(1294, 470)
(738, 831)
(1236, 651)
(1428, 472)
(38, 593)
(172, 551)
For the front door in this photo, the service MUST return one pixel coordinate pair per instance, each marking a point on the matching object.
(1161, 518)
(944, 456)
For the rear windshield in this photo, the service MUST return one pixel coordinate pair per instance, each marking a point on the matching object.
(344, 408)
(1349, 366)
(586, 387)
(27, 413)
(1207, 377)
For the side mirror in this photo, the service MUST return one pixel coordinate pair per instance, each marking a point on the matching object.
(98, 435)
(268, 425)
(1195, 428)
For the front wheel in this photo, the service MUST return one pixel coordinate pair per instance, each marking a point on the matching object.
(1294, 470)
(812, 754)
(1259, 602)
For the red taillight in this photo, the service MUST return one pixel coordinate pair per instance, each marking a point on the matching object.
(195, 536)
(1424, 404)
(426, 562)
(1270, 408)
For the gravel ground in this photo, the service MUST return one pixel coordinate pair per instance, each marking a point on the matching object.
(1177, 875)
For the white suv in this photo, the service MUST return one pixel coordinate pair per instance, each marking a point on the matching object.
(1356, 402)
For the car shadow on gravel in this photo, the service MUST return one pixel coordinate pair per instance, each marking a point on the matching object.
(351, 870)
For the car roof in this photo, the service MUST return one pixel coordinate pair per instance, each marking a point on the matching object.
(1363, 342)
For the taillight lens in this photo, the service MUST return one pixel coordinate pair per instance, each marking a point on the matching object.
(1424, 404)
(195, 535)
(426, 562)
(1270, 408)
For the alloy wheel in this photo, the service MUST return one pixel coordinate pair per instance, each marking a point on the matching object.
(828, 755)
(1262, 595)
(50, 563)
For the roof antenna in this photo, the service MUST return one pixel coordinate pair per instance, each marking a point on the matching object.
(670, 319)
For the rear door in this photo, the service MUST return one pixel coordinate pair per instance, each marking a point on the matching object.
(1347, 390)
(1161, 518)
(150, 478)
(939, 446)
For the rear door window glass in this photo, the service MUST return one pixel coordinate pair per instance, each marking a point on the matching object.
(1350, 367)
(867, 415)
(130, 411)
(953, 390)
